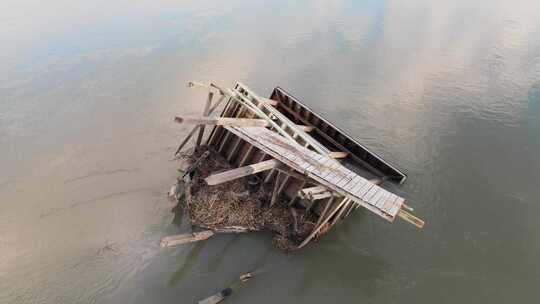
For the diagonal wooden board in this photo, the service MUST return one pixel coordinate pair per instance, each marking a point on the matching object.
(324, 170)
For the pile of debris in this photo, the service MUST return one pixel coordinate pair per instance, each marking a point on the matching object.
(241, 205)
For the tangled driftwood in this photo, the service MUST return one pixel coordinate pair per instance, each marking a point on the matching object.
(237, 203)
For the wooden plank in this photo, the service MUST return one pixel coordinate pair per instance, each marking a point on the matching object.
(352, 206)
(366, 205)
(362, 191)
(186, 140)
(293, 199)
(320, 224)
(205, 113)
(275, 191)
(354, 182)
(267, 141)
(396, 206)
(234, 149)
(327, 205)
(219, 132)
(284, 183)
(338, 154)
(342, 209)
(222, 121)
(320, 196)
(217, 104)
(390, 202)
(224, 141)
(313, 190)
(411, 219)
(284, 120)
(175, 240)
(382, 199)
(229, 175)
(376, 197)
(367, 197)
(246, 155)
(306, 128)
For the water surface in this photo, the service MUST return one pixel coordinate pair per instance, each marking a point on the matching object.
(448, 91)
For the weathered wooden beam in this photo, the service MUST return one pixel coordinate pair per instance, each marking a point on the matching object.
(325, 210)
(321, 223)
(306, 128)
(313, 190)
(275, 191)
(246, 156)
(284, 182)
(346, 202)
(269, 176)
(222, 121)
(217, 104)
(350, 208)
(227, 229)
(320, 196)
(205, 113)
(407, 207)
(175, 240)
(219, 132)
(234, 149)
(224, 140)
(338, 154)
(233, 174)
(186, 140)
(269, 110)
(293, 199)
(290, 172)
(408, 217)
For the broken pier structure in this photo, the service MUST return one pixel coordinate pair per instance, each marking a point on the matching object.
(308, 161)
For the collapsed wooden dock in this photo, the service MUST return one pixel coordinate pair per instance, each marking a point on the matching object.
(307, 163)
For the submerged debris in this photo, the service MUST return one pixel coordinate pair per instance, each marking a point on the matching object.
(240, 203)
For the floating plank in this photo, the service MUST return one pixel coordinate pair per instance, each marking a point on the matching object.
(233, 174)
(175, 240)
(222, 121)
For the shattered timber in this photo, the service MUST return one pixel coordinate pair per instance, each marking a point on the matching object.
(273, 164)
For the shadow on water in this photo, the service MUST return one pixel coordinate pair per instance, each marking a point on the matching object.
(364, 273)
(187, 264)
(214, 264)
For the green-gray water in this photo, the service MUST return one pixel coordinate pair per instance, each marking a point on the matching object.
(448, 91)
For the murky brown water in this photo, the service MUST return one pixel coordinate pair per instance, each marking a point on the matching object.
(449, 91)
